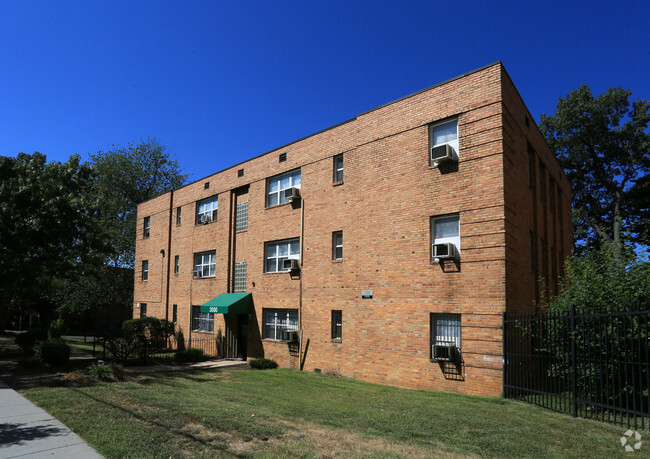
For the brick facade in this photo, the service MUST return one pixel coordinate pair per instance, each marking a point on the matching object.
(506, 188)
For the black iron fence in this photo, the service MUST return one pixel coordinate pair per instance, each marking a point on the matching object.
(129, 351)
(590, 363)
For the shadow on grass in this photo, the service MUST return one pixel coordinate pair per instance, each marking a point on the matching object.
(222, 446)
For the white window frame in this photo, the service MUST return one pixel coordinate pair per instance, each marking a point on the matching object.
(442, 240)
(290, 248)
(275, 321)
(205, 261)
(145, 270)
(207, 207)
(275, 187)
(453, 142)
(338, 168)
(205, 320)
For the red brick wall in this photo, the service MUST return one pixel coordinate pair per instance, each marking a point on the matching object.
(383, 208)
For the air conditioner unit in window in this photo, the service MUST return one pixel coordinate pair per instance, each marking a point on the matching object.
(446, 250)
(291, 264)
(442, 153)
(197, 274)
(292, 194)
(205, 218)
(444, 351)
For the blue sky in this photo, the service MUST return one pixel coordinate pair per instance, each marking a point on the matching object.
(219, 82)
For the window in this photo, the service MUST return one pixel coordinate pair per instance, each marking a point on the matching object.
(206, 210)
(242, 217)
(146, 227)
(338, 168)
(446, 229)
(445, 333)
(145, 270)
(277, 321)
(143, 310)
(206, 185)
(177, 264)
(283, 157)
(337, 245)
(178, 216)
(337, 324)
(276, 186)
(444, 133)
(240, 276)
(175, 313)
(202, 321)
(240, 173)
(205, 264)
(277, 252)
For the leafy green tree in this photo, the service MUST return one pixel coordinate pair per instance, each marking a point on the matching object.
(127, 176)
(47, 228)
(604, 147)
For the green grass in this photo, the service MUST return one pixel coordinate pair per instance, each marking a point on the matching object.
(263, 413)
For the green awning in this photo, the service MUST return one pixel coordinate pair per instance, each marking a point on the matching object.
(229, 303)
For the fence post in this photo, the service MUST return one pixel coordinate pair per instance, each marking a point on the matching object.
(574, 383)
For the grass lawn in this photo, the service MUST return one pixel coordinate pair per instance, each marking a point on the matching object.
(279, 413)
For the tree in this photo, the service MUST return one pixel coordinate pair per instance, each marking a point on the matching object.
(127, 176)
(604, 147)
(47, 227)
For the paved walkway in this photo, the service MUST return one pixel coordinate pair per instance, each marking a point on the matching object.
(28, 431)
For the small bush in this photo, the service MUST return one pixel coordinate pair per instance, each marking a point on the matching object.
(27, 341)
(263, 364)
(118, 371)
(101, 371)
(55, 352)
(190, 355)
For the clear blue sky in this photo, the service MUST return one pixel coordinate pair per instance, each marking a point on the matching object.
(219, 82)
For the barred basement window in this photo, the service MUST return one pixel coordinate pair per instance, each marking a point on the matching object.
(445, 337)
(242, 216)
(240, 276)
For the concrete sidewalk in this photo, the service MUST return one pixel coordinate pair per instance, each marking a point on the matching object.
(28, 431)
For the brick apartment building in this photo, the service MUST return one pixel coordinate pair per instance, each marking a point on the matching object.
(412, 227)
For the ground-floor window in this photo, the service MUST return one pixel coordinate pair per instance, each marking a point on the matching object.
(278, 323)
(445, 336)
(202, 321)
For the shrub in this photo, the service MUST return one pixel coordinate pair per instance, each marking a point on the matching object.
(263, 364)
(190, 355)
(101, 371)
(55, 352)
(117, 370)
(140, 338)
(27, 340)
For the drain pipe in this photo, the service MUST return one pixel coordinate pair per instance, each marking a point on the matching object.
(302, 235)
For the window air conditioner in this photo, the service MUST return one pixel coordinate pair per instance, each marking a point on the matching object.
(444, 351)
(286, 335)
(205, 218)
(198, 274)
(292, 194)
(446, 250)
(442, 153)
(291, 264)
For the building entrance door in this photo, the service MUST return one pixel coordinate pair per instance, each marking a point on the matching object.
(235, 336)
